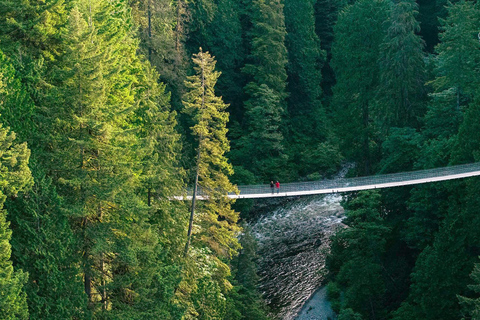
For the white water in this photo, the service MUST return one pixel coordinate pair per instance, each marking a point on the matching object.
(292, 244)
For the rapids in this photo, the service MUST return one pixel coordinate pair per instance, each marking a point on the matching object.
(292, 244)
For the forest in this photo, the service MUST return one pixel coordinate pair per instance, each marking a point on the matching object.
(111, 109)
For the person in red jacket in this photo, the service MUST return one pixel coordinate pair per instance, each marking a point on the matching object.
(277, 185)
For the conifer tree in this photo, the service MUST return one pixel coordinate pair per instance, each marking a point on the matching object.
(355, 59)
(356, 259)
(265, 155)
(266, 90)
(326, 13)
(226, 41)
(44, 245)
(212, 231)
(472, 305)
(30, 35)
(307, 118)
(458, 52)
(102, 161)
(157, 23)
(402, 69)
(14, 177)
(17, 109)
(217, 220)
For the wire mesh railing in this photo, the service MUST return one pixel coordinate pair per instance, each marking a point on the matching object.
(352, 184)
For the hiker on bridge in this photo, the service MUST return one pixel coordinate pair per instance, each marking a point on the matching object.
(277, 184)
(271, 186)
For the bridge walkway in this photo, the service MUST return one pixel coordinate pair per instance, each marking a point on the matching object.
(354, 184)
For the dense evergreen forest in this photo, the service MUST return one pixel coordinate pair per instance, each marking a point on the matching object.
(109, 109)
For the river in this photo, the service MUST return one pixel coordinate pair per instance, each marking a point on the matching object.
(293, 240)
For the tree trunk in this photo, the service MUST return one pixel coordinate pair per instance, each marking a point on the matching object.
(366, 140)
(194, 196)
(150, 31)
(178, 26)
(189, 234)
(149, 197)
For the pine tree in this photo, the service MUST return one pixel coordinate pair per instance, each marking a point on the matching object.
(326, 14)
(14, 177)
(243, 301)
(265, 155)
(31, 37)
(17, 109)
(162, 178)
(162, 30)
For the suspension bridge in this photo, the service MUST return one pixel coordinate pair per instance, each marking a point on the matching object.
(351, 184)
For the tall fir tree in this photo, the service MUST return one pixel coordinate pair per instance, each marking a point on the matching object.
(458, 52)
(472, 304)
(356, 259)
(402, 70)
(307, 123)
(266, 90)
(225, 39)
(212, 167)
(213, 229)
(356, 52)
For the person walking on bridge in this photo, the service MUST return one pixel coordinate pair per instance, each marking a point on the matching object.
(271, 186)
(277, 184)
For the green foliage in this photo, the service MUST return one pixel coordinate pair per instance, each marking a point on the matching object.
(400, 150)
(217, 220)
(262, 150)
(472, 305)
(263, 143)
(17, 108)
(213, 228)
(15, 176)
(467, 144)
(13, 302)
(43, 245)
(224, 38)
(326, 13)
(356, 258)
(349, 314)
(161, 34)
(356, 52)
(37, 24)
(307, 117)
(458, 51)
(244, 302)
(402, 69)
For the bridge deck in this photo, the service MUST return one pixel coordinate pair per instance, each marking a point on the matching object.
(355, 184)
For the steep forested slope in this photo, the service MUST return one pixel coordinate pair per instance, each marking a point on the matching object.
(114, 118)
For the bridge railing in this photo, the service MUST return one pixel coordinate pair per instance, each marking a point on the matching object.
(361, 181)
(353, 182)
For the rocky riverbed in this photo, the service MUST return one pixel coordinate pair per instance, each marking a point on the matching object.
(292, 244)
